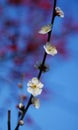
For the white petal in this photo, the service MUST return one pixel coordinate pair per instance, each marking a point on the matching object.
(40, 85)
(34, 80)
(50, 49)
(36, 102)
(34, 92)
(38, 91)
(29, 83)
(45, 29)
(30, 90)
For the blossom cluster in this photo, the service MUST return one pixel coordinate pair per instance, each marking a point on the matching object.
(35, 86)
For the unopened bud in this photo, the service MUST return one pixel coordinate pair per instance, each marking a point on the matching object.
(21, 105)
(21, 122)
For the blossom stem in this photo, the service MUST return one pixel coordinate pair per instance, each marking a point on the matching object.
(40, 72)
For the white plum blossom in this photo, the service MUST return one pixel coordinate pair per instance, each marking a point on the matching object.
(59, 12)
(45, 29)
(34, 86)
(35, 102)
(50, 49)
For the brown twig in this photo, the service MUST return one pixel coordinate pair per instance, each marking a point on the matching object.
(40, 71)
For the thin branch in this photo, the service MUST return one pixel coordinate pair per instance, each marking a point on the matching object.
(52, 21)
(48, 40)
(43, 62)
(40, 71)
(9, 120)
(24, 112)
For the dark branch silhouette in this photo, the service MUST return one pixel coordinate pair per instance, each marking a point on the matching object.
(9, 120)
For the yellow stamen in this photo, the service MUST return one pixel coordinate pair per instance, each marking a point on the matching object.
(34, 86)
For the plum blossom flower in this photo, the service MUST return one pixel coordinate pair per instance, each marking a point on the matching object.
(50, 49)
(34, 86)
(45, 29)
(59, 12)
(35, 102)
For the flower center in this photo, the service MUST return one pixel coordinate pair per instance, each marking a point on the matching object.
(45, 29)
(34, 86)
(49, 48)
